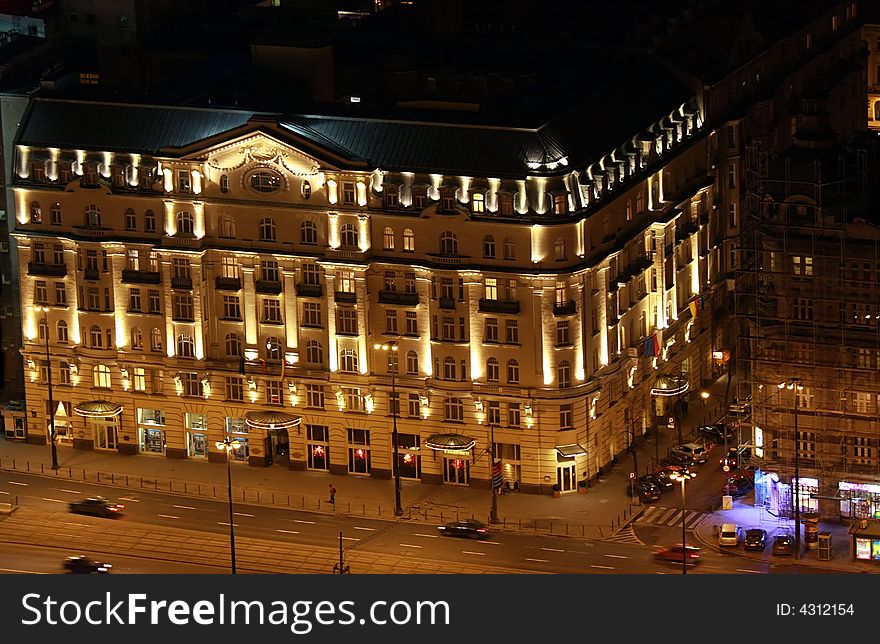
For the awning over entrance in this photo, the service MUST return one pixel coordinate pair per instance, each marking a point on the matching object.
(450, 442)
(571, 450)
(97, 409)
(670, 385)
(271, 420)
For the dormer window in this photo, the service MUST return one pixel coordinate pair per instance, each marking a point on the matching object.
(90, 175)
(348, 193)
(560, 204)
(447, 199)
(184, 181)
(478, 203)
(146, 179)
(306, 189)
(420, 198)
(38, 171)
(505, 204)
(392, 197)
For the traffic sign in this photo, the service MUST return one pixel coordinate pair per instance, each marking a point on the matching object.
(632, 475)
(726, 468)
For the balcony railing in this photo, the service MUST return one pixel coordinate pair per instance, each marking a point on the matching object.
(272, 287)
(343, 296)
(447, 303)
(141, 277)
(184, 283)
(227, 283)
(565, 308)
(309, 290)
(499, 306)
(393, 297)
(91, 274)
(47, 270)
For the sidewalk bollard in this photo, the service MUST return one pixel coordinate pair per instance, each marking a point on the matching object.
(213, 491)
(364, 510)
(349, 507)
(41, 468)
(319, 504)
(303, 499)
(99, 477)
(520, 523)
(70, 472)
(28, 465)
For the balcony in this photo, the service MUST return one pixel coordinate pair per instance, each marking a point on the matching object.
(403, 299)
(447, 303)
(566, 308)
(141, 277)
(183, 283)
(47, 270)
(271, 287)
(342, 296)
(91, 274)
(309, 290)
(227, 283)
(91, 231)
(499, 306)
(181, 242)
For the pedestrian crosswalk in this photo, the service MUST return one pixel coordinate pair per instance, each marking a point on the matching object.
(626, 535)
(654, 515)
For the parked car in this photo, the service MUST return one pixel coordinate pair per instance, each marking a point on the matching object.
(641, 486)
(716, 431)
(740, 407)
(668, 470)
(693, 450)
(737, 487)
(674, 553)
(661, 479)
(470, 528)
(97, 506)
(729, 535)
(755, 539)
(82, 565)
(737, 457)
(783, 544)
(687, 463)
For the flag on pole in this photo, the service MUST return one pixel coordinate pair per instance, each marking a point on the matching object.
(694, 306)
(497, 479)
(649, 347)
(657, 344)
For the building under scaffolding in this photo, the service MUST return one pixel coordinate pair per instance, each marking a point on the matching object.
(808, 307)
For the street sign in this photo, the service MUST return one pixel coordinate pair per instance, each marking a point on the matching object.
(726, 468)
(632, 475)
(727, 502)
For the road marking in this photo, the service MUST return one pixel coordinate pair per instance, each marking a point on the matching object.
(168, 516)
(71, 491)
(494, 543)
(30, 572)
(78, 525)
(617, 556)
(744, 570)
(242, 514)
(287, 531)
(602, 567)
(429, 536)
(357, 527)
(408, 545)
(17, 483)
(53, 500)
(553, 549)
(234, 525)
(538, 560)
(128, 498)
(2, 492)
(183, 507)
(350, 539)
(298, 521)
(468, 552)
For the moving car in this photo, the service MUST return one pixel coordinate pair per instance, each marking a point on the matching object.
(82, 565)
(645, 490)
(692, 450)
(716, 431)
(668, 470)
(729, 534)
(737, 487)
(470, 528)
(740, 407)
(661, 479)
(755, 539)
(674, 553)
(97, 506)
(681, 461)
(783, 544)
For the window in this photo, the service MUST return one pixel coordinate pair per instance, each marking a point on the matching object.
(505, 204)
(409, 241)
(183, 307)
(308, 233)
(562, 334)
(346, 321)
(388, 238)
(559, 248)
(312, 314)
(102, 376)
(560, 205)
(41, 294)
(184, 181)
(348, 193)
(61, 329)
(448, 328)
(513, 415)
(509, 249)
(493, 370)
(491, 334)
(271, 310)
(413, 406)
(269, 270)
(453, 409)
(274, 392)
(139, 381)
(346, 281)
(447, 199)
(412, 363)
(731, 215)
(566, 417)
(511, 331)
(412, 323)
(229, 268)
(420, 198)
(311, 274)
(234, 388)
(315, 396)
(43, 330)
(36, 213)
(155, 340)
(353, 399)
(93, 216)
(563, 374)
(134, 300)
(491, 288)
(409, 282)
(803, 309)
(731, 174)
(60, 294)
(149, 221)
(184, 223)
(489, 247)
(348, 361)
(226, 227)
(273, 349)
(802, 265)
(224, 183)
(153, 302)
(349, 235)
(185, 346)
(305, 190)
(180, 268)
(629, 210)
(391, 322)
(392, 197)
(233, 345)
(265, 181)
(448, 243)
(478, 203)
(314, 352)
(96, 338)
(267, 229)
(448, 368)
(358, 451)
(512, 372)
(94, 299)
(55, 214)
(130, 220)
(231, 307)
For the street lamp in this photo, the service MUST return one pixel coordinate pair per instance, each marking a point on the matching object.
(228, 446)
(683, 477)
(391, 347)
(493, 509)
(791, 383)
(45, 310)
(632, 444)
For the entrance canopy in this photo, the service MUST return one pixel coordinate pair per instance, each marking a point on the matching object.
(670, 385)
(97, 409)
(271, 420)
(571, 450)
(450, 442)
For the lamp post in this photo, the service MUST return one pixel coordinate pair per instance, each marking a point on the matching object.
(45, 310)
(791, 383)
(632, 445)
(227, 445)
(683, 478)
(391, 347)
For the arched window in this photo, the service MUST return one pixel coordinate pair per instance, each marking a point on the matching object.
(273, 349)
(563, 374)
(227, 227)
(308, 232)
(186, 348)
(155, 339)
(314, 352)
(448, 243)
(512, 371)
(36, 213)
(348, 361)
(388, 238)
(268, 231)
(233, 345)
(93, 215)
(509, 249)
(448, 368)
(412, 363)
(306, 189)
(478, 203)
(489, 247)
(224, 183)
(62, 331)
(493, 370)
(409, 241)
(559, 248)
(184, 223)
(137, 339)
(102, 376)
(349, 236)
(96, 338)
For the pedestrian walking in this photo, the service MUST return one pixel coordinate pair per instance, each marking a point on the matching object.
(684, 406)
(332, 493)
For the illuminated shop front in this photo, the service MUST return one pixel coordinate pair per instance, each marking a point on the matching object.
(237, 431)
(409, 458)
(196, 435)
(457, 450)
(777, 496)
(102, 421)
(865, 540)
(151, 430)
(859, 500)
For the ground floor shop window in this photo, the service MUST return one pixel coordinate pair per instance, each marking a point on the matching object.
(151, 430)
(236, 430)
(318, 447)
(859, 500)
(511, 468)
(359, 451)
(457, 469)
(409, 459)
(63, 423)
(196, 435)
